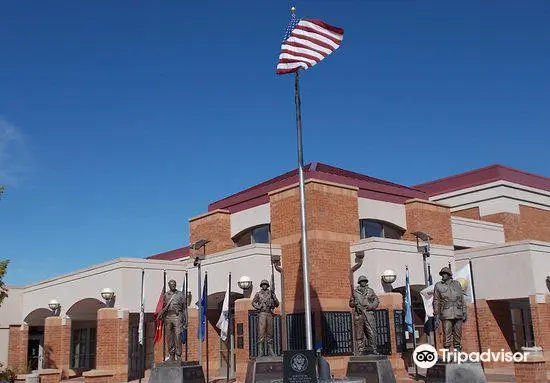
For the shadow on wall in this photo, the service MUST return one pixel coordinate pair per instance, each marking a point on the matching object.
(48, 361)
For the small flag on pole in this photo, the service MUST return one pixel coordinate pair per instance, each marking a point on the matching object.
(158, 321)
(202, 325)
(306, 43)
(223, 322)
(141, 311)
(464, 277)
(408, 308)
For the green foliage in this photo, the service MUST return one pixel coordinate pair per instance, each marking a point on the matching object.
(6, 375)
(3, 289)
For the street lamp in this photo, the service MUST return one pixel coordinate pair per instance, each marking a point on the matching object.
(245, 283)
(108, 294)
(423, 247)
(54, 306)
(389, 276)
(201, 243)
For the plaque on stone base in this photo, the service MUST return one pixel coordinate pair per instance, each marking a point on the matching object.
(300, 366)
(372, 368)
(467, 372)
(177, 372)
(264, 370)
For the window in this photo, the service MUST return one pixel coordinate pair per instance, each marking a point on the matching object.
(372, 228)
(258, 234)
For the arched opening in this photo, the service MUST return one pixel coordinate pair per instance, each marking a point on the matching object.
(377, 228)
(256, 234)
(35, 352)
(83, 316)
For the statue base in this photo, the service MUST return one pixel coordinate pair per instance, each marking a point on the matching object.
(372, 368)
(264, 369)
(177, 372)
(451, 372)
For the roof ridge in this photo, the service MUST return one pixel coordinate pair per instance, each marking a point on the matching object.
(453, 176)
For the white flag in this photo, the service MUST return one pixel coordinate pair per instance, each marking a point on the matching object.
(428, 298)
(223, 322)
(141, 313)
(464, 277)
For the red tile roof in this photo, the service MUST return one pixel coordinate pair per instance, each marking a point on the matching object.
(484, 176)
(369, 187)
(171, 255)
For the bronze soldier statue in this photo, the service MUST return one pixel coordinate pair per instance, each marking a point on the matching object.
(364, 301)
(449, 308)
(264, 302)
(174, 316)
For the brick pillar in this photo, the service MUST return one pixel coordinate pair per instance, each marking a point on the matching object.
(57, 344)
(540, 316)
(333, 224)
(112, 342)
(214, 226)
(431, 217)
(532, 369)
(18, 348)
(50, 375)
(242, 306)
(510, 222)
(469, 332)
(495, 327)
(392, 302)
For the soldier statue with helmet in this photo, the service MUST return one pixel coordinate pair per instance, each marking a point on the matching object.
(265, 301)
(449, 308)
(364, 301)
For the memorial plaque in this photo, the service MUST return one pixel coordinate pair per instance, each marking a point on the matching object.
(177, 372)
(264, 370)
(300, 366)
(372, 368)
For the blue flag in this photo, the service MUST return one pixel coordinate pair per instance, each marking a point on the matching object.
(183, 336)
(202, 327)
(408, 310)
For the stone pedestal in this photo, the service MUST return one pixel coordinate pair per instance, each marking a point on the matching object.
(533, 367)
(177, 372)
(265, 370)
(50, 375)
(467, 372)
(372, 368)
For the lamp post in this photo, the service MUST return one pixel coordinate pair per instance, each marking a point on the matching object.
(245, 283)
(201, 243)
(423, 246)
(54, 306)
(108, 295)
(389, 276)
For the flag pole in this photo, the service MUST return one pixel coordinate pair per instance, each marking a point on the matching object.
(199, 333)
(475, 309)
(206, 321)
(142, 338)
(163, 327)
(186, 312)
(229, 332)
(410, 308)
(305, 265)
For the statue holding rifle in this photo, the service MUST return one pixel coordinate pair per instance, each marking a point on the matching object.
(174, 316)
(265, 301)
(364, 301)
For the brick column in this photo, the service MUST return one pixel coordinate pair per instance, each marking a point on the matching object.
(57, 344)
(18, 348)
(532, 369)
(540, 316)
(214, 226)
(431, 217)
(112, 342)
(495, 327)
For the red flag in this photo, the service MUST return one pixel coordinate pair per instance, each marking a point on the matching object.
(158, 322)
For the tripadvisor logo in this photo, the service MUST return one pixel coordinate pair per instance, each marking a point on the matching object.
(425, 356)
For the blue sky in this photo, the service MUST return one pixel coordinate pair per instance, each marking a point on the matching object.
(120, 120)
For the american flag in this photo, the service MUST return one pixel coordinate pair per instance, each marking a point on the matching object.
(306, 42)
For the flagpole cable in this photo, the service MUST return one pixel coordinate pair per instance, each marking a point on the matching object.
(475, 309)
(199, 332)
(305, 264)
(186, 313)
(143, 327)
(163, 327)
(206, 323)
(229, 332)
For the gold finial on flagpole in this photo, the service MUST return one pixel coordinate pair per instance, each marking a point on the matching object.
(293, 9)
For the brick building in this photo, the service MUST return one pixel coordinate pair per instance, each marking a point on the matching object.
(496, 216)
